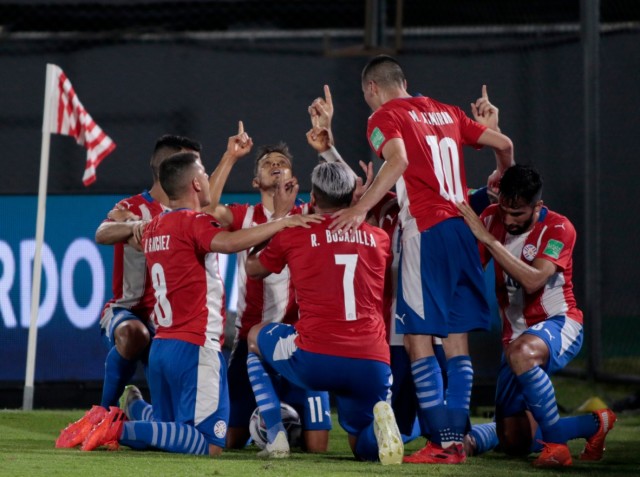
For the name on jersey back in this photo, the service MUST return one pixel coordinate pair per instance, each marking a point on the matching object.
(158, 243)
(359, 236)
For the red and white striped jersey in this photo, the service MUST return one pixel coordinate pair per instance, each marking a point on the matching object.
(339, 282)
(268, 300)
(189, 292)
(552, 238)
(433, 135)
(130, 284)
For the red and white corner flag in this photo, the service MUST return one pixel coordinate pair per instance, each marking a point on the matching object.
(67, 116)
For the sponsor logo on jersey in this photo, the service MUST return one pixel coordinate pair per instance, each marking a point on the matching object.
(376, 138)
(553, 248)
(529, 251)
(220, 429)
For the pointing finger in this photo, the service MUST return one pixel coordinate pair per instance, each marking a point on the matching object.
(240, 127)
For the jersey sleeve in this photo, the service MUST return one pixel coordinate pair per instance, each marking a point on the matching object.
(239, 211)
(380, 129)
(470, 130)
(204, 228)
(272, 257)
(557, 243)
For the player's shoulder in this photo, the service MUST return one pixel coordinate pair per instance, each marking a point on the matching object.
(557, 221)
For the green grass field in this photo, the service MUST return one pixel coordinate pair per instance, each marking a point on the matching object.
(26, 449)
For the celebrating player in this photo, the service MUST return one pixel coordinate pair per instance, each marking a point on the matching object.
(187, 372)
(339, 343)
(542, 327)
(441, 284)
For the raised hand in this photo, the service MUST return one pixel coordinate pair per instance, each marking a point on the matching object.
(484, 112)
(240, 144)
(322, 109)
(361, 187)
(285, 197)
(318, 137)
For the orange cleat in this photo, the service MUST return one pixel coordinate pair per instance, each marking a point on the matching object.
(106, 432)
(434, 454)
(594, 448)
(76, 432)
(553, 455)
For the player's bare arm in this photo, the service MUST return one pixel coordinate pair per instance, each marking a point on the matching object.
(531, 277)
(232, 242)
(395, 163)
(238, 146)
(119, 228)
(255, 269)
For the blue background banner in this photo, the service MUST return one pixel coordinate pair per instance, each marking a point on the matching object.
(76, 282)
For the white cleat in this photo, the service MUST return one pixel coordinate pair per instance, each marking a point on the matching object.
(385, 428)
(278, 449)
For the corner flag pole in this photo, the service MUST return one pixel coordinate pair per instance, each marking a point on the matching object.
(27, 399)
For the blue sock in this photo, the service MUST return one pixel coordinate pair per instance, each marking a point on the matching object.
(427, 377)
(140, 410)
(266, 398)
(541, 400)
(415, 432)
(485, 436)
(167, 436)
(460, 379)
(117, 374)
(367, 445)
(438, 351)
(575, 427)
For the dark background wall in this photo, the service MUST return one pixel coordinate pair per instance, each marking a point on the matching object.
(139, 79)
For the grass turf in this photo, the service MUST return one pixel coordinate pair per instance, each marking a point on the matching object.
(27, 449)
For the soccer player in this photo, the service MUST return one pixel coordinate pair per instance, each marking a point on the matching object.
(125, 323)
(441, 284)
(269, 300)
(187, 371)
(339, 343)
(532, 247)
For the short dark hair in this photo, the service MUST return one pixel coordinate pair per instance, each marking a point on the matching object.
(267, 149)
(174, 173)
(167, 145)
(383, 70)
(521, 182)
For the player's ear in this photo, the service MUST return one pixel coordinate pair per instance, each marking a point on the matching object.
(255, 183)
(195, 183)
(538, 206)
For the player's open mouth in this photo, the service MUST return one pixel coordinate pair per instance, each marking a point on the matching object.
(276, 172)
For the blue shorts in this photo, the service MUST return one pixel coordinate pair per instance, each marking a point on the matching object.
(563, 336)
(441, 287)
(243, 402)
(119, 316)
(188, 385)
(358, 384)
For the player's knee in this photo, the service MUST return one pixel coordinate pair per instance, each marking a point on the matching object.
(521, 356)
(514, 435)
(316, 442)
(131, 339)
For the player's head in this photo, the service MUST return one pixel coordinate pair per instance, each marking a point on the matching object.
(182, 174)
(332, 185)
(382, 73)
(520, 198)
(273, 164)
(168, 145)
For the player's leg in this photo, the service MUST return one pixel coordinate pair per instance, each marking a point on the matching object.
(201, 406)
(315, 413)
(262, 340)
(129, 339)
(403, 396)
(240, 396)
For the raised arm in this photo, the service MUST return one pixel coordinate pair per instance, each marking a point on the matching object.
(232, 242)
(531, 277)
(238, 146)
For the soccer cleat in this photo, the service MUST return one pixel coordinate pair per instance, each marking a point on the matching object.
(131, 393)
(594, 448)
(75, 433)
(278, 449)
(553, 455)
(435, 454)
(385, 428)
(106, 432)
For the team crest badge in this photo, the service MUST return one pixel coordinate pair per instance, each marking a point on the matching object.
(529, 252)
(220, 429)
